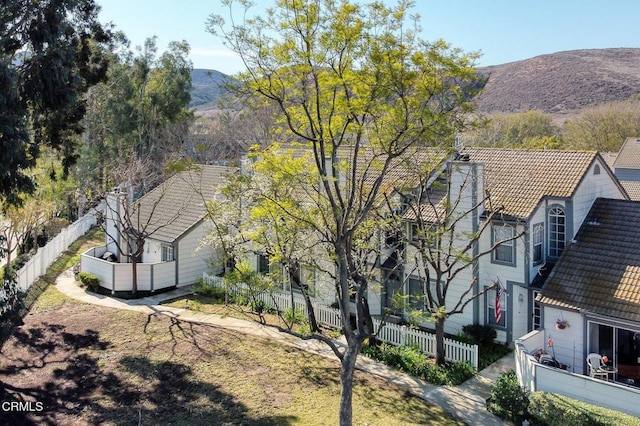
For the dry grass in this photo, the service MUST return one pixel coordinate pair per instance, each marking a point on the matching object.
(92, 365)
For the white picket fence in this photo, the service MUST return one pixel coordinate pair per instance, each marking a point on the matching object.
(45, 256)
(394, 334)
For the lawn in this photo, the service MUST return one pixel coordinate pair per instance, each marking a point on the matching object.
(90, 365)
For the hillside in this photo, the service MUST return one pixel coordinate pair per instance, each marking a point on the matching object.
(206, 88)
(562, 83)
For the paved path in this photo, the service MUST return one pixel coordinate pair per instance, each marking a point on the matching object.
(466, 402)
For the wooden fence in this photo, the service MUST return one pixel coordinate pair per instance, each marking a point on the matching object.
(394, 334)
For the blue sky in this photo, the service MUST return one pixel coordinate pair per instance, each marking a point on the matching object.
(502, 30)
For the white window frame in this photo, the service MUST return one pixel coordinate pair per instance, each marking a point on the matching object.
(537, 241)
(557, 231)
(506, 246)
(167, 253)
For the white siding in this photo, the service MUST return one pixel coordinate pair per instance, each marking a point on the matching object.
(192, 262)
(567, 343)
(593, 186)
(152, 251)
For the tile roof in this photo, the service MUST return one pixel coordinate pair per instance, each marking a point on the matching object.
(177, 204)
(519, 179)
(600, 272)
(633, 189)
(629, 155)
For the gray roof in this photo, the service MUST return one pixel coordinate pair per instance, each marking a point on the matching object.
(176, 205)
(600, 272)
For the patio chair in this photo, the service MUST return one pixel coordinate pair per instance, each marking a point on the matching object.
(596, 366)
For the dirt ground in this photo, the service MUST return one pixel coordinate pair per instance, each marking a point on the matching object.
(85, 364)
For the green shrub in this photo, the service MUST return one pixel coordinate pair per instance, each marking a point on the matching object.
(203, 288)
(482, 335)
(508, 399)
(89, 281)
(257, 306)
(410, 360)
(294, 316)
(552, 409)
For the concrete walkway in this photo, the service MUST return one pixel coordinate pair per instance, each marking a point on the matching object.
(466, 402)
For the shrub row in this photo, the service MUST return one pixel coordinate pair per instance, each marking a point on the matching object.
(512, 402)
(410, 360)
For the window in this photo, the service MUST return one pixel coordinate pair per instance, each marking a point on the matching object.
(167, 253)
(491, 309)
(504, 251)
(596, 169)
(416, 294)
(536, 312)
(538, 241)
(302, 277)
(557, 231)
(415, 232)
(263, 264)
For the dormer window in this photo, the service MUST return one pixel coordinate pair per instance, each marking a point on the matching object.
(557, 231)
(538, 241)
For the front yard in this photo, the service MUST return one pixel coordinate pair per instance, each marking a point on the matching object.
(89, 365)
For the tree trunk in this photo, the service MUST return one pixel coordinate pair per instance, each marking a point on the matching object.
(440, 341)
(134, 276)
(311, 315)
(347, 369)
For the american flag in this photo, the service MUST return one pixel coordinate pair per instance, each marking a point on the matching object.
(498, 310)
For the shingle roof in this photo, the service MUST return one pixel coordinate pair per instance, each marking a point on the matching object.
(177, 204)
(600, 272)
(629, 154)
(519, 179)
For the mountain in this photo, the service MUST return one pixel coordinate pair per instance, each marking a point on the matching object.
(561, 83)
(207, 88)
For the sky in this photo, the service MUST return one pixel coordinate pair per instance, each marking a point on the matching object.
(501, 30)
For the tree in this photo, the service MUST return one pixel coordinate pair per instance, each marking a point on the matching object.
(50, 54)
(604, 128)
(531, 129)
(140, 113)
(443, 236)
(357, 86)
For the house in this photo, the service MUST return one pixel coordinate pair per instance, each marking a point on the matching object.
(591, 305)
(595, 289)
(540, 200)
(169, 222)
(626, 167)
(543, 197)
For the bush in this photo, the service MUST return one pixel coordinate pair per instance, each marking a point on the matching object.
(257, 306)
(482, 335)
(203, 288)
(410, 360)
(294, 316)
(552, 409)
(89, 281)
(508, 399)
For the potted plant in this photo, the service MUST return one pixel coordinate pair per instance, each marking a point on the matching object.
(561, 324)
